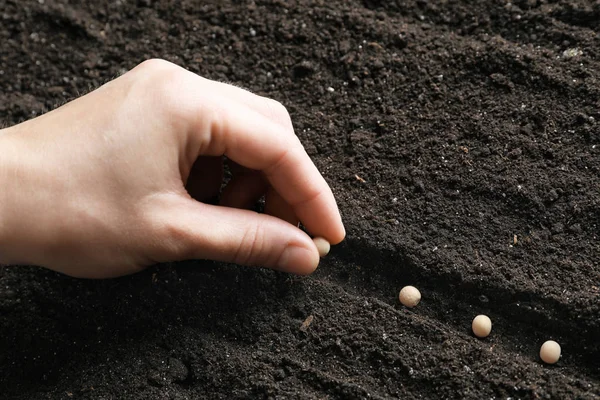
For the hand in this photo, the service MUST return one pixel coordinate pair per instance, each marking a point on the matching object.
(97, 188)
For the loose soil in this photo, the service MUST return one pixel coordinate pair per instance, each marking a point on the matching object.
(462, 140)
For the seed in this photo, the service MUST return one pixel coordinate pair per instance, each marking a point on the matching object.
(409, 296)
(482, 326)
(322, 245)
(550, 352)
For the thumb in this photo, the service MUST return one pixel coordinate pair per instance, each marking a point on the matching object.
(194, 230)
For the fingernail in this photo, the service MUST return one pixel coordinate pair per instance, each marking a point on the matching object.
(298, 260)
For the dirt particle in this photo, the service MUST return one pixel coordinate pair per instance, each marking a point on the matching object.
(501, 80)
(279, 374)
(419, 186)
(558, 228)
(575, 228)
(155, 378)
(515, 153)
(307, 322)
(553, 195)
(178, 371)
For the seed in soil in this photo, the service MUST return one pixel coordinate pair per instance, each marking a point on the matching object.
(409, 296)
(482, 326)
(550, 352)
(322, 245)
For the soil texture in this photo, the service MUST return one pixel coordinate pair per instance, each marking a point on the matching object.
(462, 141)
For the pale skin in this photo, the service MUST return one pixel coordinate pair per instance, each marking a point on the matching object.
(113, 182)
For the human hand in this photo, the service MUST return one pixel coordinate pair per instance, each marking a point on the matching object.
(97, 188)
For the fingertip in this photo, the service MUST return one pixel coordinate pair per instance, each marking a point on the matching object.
(329, 225)
(339, 236)
(334, 235)
(307, 271)
(299, 260)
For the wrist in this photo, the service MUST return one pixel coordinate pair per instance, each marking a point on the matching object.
(7, 165)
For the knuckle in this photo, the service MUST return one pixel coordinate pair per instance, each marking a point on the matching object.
(278, 107)
(153, 65)
(279, 112)
(162, 84)
(251, 247)
(157, 76)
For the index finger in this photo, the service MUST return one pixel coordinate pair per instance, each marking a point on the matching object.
(256, 141)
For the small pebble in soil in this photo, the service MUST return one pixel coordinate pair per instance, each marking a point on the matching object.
(409, 296)
(572, 52)
(550, 352)
(322, 245)
(482, 326)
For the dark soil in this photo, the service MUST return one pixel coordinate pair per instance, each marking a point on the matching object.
(462, 140)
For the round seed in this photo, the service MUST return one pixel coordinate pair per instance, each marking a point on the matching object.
(550, 352)
(482, 326)
(409, 296)
(322, 245)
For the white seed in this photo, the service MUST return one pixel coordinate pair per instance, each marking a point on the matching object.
(550, 352)
(409, 296)
(482, 326)
(322, 245)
